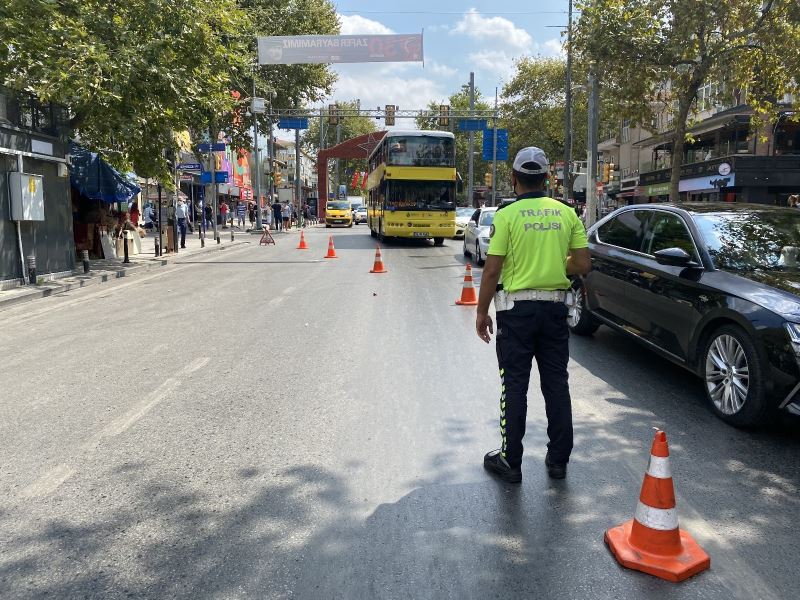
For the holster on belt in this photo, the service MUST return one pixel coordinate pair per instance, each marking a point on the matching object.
(502, 301)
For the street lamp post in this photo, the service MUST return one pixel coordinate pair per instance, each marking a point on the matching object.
(568, 109)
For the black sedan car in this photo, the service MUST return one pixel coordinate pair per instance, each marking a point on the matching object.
(712, 287)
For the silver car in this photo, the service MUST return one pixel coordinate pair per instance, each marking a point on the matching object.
(476, 235)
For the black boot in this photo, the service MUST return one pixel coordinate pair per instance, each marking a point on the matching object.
(497, 465)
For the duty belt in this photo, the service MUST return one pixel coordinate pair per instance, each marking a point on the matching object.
(541, 295)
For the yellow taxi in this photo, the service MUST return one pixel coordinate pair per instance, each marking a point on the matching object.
(339, 213)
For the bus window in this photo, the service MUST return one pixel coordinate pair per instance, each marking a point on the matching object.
(421, 151)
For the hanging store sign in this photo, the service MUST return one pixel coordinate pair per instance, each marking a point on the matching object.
(714, 182)
(317, 49)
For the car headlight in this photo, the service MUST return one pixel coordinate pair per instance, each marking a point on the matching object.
(793, 329)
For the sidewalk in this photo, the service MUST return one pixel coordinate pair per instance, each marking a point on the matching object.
(107, 269)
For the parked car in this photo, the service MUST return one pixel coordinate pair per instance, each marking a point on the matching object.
(476, 235)
(712, 287)
(360, 215)
(463, 214)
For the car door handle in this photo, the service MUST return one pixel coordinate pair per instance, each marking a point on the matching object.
(634, 273)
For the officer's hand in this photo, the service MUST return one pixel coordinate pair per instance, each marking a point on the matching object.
(484, 326)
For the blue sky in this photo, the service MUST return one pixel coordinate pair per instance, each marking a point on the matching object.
(481, 36)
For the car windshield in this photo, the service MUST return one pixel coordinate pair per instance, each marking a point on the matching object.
(487, 218)
(420, 195)
(751, 240)
(465, 211)
(361, 209)
(338, 205)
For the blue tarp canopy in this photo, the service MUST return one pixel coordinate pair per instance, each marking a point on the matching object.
(96, 179)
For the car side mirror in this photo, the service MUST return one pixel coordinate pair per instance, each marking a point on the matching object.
(674, 257)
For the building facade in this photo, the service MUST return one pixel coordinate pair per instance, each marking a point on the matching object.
(33, 141)
(726, 160)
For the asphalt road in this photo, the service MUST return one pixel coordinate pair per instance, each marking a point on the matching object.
(264, 423)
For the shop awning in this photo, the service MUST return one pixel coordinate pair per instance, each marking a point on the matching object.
(96, 179)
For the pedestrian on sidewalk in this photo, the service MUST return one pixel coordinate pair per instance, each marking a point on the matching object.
(208, 213)
(252, 215)
(149, 213)
(223, 213)
(241, 210)
(135, 216)
(306, 215)
(182, 214)
(287, 216)
(277, 212)
(536, 243)
(267, 214)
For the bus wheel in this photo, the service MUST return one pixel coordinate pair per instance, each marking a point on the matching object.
(438, 241)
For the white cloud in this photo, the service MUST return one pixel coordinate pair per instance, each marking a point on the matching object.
(552, 47)
(440, 69)
(498, 30)
(358, 25)
(405, 92)
(493, 61)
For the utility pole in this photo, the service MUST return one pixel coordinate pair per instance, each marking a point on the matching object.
(338, 140)
(591, 167)
(568, 110)
(470, 195)
(271, 153)
(255, 155)
(297, 186)
(494, 152)
(320, 197)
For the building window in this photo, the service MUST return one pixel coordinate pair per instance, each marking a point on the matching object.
(3, 109)
(626, 130)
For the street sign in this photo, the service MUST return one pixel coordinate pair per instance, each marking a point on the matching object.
(219, 147)
(189, 166)
(204, 147)
(220, 177)
(502, 144)
(316, 49)
(472, 124)
(187, 177)
(259, 105)
(297, 123)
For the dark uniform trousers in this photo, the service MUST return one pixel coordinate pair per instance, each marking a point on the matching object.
(534, 329)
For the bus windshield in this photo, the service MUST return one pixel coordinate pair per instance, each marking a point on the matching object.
(420, 195)
(338, 205)
(421, 151)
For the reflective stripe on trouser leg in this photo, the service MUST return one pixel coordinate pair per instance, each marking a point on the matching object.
(504, 445)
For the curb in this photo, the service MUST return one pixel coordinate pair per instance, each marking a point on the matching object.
(53, 288)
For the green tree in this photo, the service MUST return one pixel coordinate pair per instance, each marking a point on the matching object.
(130, 74)
(653, 56)
(349, 127)
(459, 101)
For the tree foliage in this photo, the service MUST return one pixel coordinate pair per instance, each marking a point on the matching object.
(132, 74)
(654, 55)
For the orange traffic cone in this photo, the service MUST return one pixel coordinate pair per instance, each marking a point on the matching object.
(378, 265)
(652, 542)
(331, 250)
(468, 295)
(302, 245)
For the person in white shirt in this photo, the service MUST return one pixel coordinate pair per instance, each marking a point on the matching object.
(182, 214)
(287, 216)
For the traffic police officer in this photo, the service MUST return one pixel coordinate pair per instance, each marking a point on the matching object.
(536, 243)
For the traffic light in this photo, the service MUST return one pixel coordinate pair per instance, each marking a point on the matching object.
(277, 177)
(390, 109)
(606, 172)
(487, 179)
(333, 114)
(444, 115)
(611, 167)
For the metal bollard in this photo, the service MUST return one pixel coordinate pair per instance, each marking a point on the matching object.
(32, 269)
(125, 246)
(85, 261)
(155, 239)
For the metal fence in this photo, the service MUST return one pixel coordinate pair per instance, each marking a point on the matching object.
(26, 111)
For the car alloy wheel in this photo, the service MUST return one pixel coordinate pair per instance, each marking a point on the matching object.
(574, 306)
(727, 374)
(466, 251)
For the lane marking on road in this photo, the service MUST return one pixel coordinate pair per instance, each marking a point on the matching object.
(126, 420)
(275, 301)
(48, 482)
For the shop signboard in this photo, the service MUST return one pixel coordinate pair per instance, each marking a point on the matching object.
(657, 189)
(713, 182)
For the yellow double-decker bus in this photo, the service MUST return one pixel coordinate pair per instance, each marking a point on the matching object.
(412, 186)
